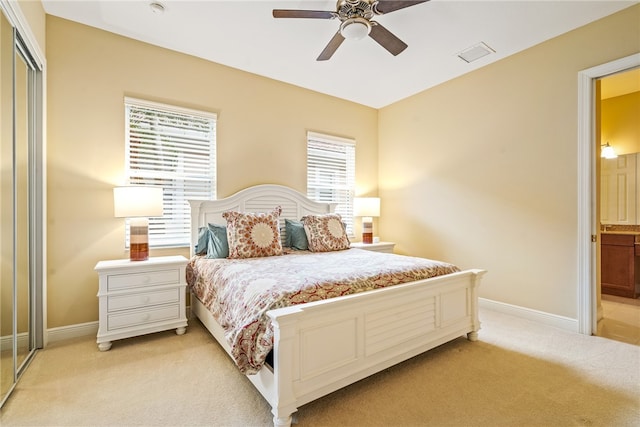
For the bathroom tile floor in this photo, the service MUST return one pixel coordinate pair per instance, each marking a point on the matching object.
(621, 319)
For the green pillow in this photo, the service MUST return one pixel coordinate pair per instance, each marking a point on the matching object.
(296, 238)
(203, 241)
(212, 241)
(217, 245)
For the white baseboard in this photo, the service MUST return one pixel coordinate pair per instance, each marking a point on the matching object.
(72, 331)
(568, 324)
(6, 342)
(549, 319)
(81, 330)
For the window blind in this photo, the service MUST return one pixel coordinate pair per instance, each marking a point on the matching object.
(331, 173)
(173, 148)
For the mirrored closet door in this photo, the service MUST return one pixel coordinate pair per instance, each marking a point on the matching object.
(21, 203)
(6, 207)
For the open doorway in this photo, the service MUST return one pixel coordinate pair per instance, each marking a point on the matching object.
(617, 129)
(588, 230)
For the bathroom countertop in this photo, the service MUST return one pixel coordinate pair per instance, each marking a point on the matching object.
(634, 233)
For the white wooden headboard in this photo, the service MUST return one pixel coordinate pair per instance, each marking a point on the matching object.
(259, 198)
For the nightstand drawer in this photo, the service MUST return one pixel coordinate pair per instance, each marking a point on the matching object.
(123, 302)
(127, 319)
(137, 280)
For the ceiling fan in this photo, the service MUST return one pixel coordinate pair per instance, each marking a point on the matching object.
(355, 17)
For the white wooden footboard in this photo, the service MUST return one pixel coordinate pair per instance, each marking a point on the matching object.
(323, 346)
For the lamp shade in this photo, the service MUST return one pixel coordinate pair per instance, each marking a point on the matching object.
(366, 206)
(137, 201)
(608, 152)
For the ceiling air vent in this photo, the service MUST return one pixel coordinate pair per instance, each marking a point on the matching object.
(475, 52)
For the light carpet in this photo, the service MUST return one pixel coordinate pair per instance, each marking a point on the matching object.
(519, 373)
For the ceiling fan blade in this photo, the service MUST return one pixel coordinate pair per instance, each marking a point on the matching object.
(317, 14)
(386, 6)
(386, 39)
(331, 48)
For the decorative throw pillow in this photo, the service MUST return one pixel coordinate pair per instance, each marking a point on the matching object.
(203, 241)
(212, 241)
(217, 246)
(296, 237)
(325, 233)
(253, 234)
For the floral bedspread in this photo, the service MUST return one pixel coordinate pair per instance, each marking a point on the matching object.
(239, 292)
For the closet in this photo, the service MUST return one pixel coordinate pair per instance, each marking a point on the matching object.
(21, 200)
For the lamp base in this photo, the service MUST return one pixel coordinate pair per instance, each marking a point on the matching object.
(139, 252)
(367, 230)
(139, 244)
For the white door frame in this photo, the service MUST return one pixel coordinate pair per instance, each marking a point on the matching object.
(587, 227)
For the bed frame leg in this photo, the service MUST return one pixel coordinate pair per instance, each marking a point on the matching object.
(282, 421)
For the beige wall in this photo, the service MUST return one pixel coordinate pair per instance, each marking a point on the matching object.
(262, 128)
(621, 123)
(484, 168)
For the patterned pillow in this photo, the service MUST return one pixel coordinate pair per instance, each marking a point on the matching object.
(325, 233)
(253, 234)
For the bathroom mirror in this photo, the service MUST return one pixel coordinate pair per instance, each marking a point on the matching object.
(619, 127)
(619, 186)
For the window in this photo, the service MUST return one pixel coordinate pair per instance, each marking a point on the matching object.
(173, 148)
(331, 173)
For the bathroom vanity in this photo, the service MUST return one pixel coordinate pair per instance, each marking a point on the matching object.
(620, 263)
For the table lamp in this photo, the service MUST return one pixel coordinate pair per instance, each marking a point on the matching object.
(138, 203)
(367, 208)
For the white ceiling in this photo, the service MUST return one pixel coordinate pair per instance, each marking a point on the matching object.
(244, 35)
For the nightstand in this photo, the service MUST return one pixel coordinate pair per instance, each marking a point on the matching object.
(140, 297)
(378, 247)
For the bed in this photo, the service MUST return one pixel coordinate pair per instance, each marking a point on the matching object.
(321, 346)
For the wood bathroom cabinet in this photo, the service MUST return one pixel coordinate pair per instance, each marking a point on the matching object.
(620, 264)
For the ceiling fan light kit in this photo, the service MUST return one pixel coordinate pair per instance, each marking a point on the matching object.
(355, 28)
(355, 22)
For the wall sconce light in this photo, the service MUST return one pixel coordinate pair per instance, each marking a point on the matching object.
(608, 152)
(367, 208)
(138, 203)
